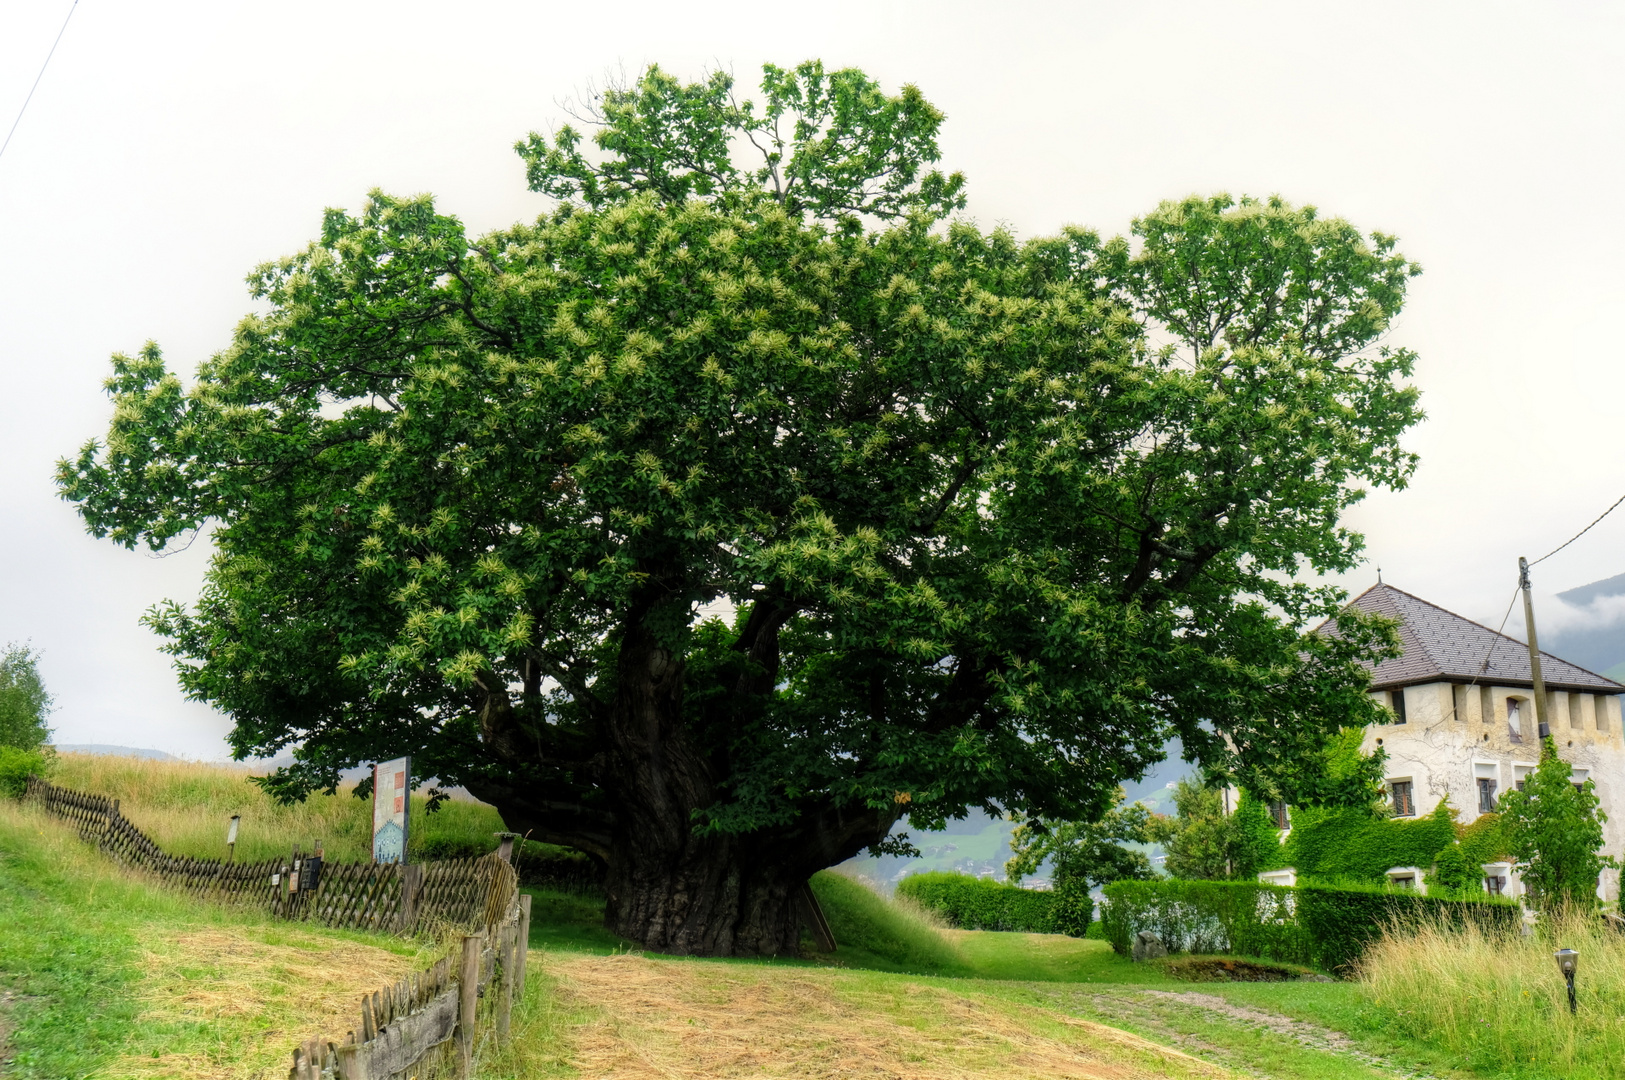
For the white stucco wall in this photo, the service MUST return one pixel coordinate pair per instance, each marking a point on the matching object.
(1441, 748)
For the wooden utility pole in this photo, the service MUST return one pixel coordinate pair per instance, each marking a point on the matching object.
(1534, 649)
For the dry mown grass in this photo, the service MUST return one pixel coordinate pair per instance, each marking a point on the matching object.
(258, 991)
(672, 1019)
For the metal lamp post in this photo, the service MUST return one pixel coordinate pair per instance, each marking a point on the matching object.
(1567, 961)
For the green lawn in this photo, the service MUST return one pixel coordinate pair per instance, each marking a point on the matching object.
(1285, 1031)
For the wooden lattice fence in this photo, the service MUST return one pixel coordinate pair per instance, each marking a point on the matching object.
(457, 893)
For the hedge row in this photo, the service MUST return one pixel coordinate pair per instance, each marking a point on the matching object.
(973, 903)
(1313, 925)
(1242, 917)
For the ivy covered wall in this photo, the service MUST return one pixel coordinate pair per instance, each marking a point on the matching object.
(1352, 843)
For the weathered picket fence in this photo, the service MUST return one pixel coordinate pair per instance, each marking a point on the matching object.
(461, 893)
(416, 1021)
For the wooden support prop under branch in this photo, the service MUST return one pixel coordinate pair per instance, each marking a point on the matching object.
(814, 915)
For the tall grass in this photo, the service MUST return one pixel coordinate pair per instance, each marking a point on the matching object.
(185, 807)
(1498, 999)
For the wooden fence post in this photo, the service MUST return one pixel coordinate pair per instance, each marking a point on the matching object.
(352, 1063)
(468, 992)
(505, 956)
(411, 881)
(524, 938)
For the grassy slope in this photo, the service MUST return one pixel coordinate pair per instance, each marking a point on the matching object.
(113, 975)
(185, 806)
(97, 960)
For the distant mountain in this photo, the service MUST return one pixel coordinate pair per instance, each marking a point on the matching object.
(1595, 645)
(114, 751)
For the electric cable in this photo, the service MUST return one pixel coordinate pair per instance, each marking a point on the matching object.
(1581, 533)
(37, 78)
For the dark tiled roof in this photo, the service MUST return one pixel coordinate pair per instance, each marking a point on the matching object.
(1441, 646)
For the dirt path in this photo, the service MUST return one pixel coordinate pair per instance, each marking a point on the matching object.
(678, 1020)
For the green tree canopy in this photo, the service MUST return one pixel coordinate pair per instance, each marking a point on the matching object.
(1555, 830)
(1090, 853)
(24, 702)
(1211, 838)
(996, 517)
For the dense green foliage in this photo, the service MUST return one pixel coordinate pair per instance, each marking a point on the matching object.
(973, 903)
(1485, 840)
(1342, 922)
(998, 517)
(1356, 844)
(866, 924)
(1205, 840)
(1453, 873)
(16, 766)
(1084, 855)
(1325, 927)
(1554, 830)
(24, 702)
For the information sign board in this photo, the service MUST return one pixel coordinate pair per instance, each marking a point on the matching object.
(391, 805)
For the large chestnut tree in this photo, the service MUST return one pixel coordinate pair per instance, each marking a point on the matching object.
(987, 520)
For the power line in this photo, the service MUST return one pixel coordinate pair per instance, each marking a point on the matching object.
(1485, 666)
(1579, 534)
(38, 77)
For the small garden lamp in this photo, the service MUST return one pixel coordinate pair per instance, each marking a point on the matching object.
(1567, 961)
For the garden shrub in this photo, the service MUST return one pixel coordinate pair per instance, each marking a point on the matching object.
(1316, 925)
(16, 766)
(973, 903)
(1071, 907)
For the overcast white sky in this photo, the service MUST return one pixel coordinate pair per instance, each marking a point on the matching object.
(173, 145)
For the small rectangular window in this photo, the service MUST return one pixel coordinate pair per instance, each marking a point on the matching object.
(1459, 696)
(1577, 718)
(1486, 795)
(1279, 815)
(1396, 703)
(1514, 720)
(1495, 885)
(1486, 705)
(1601, 702)
(1400, 792)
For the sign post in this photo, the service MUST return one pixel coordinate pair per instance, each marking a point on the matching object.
(391, 806)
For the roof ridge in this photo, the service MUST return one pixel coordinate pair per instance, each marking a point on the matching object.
(1505, 637)
(1425, 646)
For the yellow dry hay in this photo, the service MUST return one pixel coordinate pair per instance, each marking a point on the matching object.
(678, 1020)
(267, 990)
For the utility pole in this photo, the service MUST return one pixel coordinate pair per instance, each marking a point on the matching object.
(1534, 648)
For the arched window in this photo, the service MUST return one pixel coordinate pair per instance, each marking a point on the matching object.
(1515, 718)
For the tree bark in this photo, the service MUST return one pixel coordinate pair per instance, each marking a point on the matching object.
(668, 888)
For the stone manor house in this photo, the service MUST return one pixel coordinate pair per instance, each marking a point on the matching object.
(1464, 725)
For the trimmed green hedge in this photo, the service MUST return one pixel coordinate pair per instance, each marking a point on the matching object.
(1344, 922)
(1315, 925)
(972, 903)
(1243, 917)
